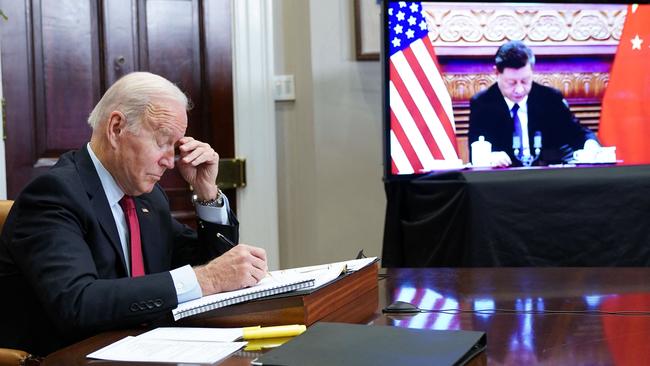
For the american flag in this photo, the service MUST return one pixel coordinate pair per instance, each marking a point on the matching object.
(422, 129)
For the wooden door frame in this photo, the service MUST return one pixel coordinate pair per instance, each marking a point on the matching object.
(255, 131)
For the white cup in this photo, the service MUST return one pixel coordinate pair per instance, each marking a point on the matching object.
(481, 152)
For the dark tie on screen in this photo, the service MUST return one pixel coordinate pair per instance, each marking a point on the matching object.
(137, 264)
(518, 135)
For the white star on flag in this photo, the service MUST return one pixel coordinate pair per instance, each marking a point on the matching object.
(636, 42)
(409, 33)
(423, 25)
(400, 16)
(414, 7)
(398, 29)
(412, 20)
(396, 42)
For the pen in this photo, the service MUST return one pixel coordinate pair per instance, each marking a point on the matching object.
(226, 240)
(232, 245)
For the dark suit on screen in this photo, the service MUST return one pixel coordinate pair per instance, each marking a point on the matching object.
(62, 270)
(547, 113)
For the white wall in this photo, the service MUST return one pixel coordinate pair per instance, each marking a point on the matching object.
(331, 198)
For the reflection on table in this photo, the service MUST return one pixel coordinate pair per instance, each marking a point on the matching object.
(477, 299)
(521, 336)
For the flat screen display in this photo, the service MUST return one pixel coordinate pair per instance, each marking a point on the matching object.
(449, 98)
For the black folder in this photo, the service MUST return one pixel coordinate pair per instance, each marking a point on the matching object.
(354, 344)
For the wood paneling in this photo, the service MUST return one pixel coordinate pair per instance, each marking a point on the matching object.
(66, 68)
(120, 34)
(59, 57)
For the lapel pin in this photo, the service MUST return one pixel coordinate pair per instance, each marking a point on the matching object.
(145, 210)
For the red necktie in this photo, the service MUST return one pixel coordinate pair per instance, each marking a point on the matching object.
(137, 264)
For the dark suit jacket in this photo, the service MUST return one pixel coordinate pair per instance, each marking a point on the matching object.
(547, 113)
(62, 270)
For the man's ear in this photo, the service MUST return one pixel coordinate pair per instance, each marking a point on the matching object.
(115, 127)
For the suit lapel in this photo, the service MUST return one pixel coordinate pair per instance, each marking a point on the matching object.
(149, 235)
(99, 202)
(503, 113)
(533, 115)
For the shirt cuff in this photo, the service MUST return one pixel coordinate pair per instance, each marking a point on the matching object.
(215, 215)
(186, 285)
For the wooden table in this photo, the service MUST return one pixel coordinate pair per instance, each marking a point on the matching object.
(522, 338)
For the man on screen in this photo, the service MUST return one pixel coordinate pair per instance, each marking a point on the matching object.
(91, 245)
(510, 113)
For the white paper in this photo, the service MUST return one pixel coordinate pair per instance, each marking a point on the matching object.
(194, 334)
(324, 273)
(135, 349)
(357, 264)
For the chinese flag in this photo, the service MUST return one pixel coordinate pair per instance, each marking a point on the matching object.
(625, 116)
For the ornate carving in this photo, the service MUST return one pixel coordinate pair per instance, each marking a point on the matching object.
(482, 24)
(574, 85)
(547, 26)
(460, 27)
(504, 27)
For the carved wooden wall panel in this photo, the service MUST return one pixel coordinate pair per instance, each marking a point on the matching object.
(454, 27)
(575, 85)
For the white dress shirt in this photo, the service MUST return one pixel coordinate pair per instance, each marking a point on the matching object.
(522, 113)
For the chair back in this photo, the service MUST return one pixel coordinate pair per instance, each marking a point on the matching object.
(5, 206)
(8, 356)
(14, 357)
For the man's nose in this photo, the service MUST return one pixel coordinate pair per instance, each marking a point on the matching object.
(519, 88)
(167, 160)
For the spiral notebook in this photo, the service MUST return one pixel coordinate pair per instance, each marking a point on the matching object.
(266, 287)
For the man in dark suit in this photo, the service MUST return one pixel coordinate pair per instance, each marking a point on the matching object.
(514, 110)
(76, 258)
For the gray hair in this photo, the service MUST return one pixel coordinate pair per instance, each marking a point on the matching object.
(132, 94)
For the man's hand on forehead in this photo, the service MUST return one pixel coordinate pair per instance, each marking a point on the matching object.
(199, 166)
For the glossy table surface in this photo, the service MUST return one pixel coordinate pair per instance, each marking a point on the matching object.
(552, 316)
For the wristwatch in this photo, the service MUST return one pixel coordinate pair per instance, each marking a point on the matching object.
(216, 202)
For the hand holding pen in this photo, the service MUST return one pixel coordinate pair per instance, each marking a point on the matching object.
(241, 266)
(226, 240)
(229, 242)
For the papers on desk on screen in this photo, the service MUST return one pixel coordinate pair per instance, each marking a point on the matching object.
(276, 282)
(595, 155)
(180, 345)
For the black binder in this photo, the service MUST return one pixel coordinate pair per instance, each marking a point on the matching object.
(376, 345)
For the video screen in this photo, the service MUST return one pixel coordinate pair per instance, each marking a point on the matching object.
(506, 85)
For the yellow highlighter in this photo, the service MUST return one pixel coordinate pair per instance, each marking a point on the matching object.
(261, 344)
(273, 332)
